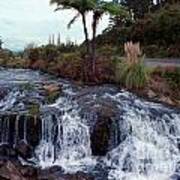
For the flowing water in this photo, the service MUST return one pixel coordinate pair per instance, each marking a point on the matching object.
(148, 145)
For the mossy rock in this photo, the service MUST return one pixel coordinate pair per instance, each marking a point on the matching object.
(27, 86)
(34, 109)
(51, 97)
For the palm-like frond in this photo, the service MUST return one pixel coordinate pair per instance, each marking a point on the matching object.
(73, 20)
(80, 5)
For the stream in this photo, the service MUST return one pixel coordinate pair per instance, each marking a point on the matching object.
(99, 130)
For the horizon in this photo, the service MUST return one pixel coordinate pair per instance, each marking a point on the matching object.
(21, 26)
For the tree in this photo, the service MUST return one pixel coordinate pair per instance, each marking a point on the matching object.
(82, 7)
(100, 8)
(59, 39)
(138, 7)
(1, 42)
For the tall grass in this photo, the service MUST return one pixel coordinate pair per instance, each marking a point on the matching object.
(131, 71)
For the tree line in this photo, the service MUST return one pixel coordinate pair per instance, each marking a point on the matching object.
(83, 7)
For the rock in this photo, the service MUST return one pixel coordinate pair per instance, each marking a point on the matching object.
(3, 93)
(34, 130)
(52, 88)
(102, 131)
(8, 151)
(13, 170)
(28, 171)
(52, 92)
(102, 117)
(166, 100)
(151, 94)
(175, 177)
(48, 174)
(3, 160)
(10, 171)
(24, 149)
(77, 176)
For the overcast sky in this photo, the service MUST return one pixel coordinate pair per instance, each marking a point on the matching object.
(26, 21)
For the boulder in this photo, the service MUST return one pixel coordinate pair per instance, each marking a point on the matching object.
(8, 151)
(102, 116)
(50, 173)
(175, 177)
(77, 176)
(24, 149)
(52, 88)
(55, 173)
(151, 94)
(28, 171)
(166, 100)
(3, 92)
(10, 171)
(13, 170)
(102, 130)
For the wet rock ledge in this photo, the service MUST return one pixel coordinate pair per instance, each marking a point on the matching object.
(12, 169)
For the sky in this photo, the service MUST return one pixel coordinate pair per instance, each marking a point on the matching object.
(32, 21)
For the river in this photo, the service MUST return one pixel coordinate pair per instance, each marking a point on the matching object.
(140, 140)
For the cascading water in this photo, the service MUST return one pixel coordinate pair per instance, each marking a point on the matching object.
(146, 142)
(65, 137)
(151, 148)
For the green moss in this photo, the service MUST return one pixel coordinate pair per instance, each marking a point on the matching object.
(34, 109)
(27, 86)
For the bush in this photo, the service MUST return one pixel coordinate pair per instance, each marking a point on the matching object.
(173, 77)
(67, 65)
(108, 51)
(158, 32)
(132, 76)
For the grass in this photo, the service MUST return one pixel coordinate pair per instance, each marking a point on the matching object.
(132, 76)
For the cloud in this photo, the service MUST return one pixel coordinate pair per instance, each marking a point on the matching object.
(25, 21)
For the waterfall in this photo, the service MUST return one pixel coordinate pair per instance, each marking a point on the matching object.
(65, 137)
(143, 140)
(151, 148)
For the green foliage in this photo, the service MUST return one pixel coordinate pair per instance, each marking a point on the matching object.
(34, 109)
(33, 54)
(139, 7)
(161, 28)
(173, 78)
(27, 86)
(132, 76)
(158, 32)
(49, 52)
(107, 51)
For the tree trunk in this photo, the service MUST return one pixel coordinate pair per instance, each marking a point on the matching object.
(86, 33)
(85, 58)
(94, 26)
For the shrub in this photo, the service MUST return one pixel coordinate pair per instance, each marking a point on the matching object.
(108, 50)
(131, 72)
(132, 76)
(173, 77)
(68, 65)
(159, 32)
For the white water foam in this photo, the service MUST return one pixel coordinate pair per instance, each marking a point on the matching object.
(71, 149)
(150, 151)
